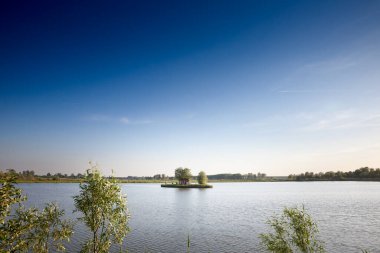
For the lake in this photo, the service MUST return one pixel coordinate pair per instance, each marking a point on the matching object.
(230, 216)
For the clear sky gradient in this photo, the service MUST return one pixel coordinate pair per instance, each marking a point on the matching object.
(145, 87)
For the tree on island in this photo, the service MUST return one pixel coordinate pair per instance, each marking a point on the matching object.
(202, 178)
(183, 175)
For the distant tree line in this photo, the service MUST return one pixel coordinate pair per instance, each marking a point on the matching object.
(26, 174)
(364, 174)
(238, 176)
(30, 175)
(226, 176)
(155, 177)
(160, 176)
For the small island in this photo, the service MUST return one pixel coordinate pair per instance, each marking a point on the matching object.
(183, 175)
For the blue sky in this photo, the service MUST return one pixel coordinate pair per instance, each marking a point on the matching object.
(223, 86)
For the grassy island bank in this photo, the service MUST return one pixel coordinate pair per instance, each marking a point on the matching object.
(187, 185)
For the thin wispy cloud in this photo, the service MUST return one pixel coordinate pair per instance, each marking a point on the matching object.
(319, 76)
(190, 116)
(125, 120)
(99, 118)
(128, 121)
(348, 150)
(143, 122)
(134, 121)
(307, 91)
(329, 65)
(344, 120)
(317, 121)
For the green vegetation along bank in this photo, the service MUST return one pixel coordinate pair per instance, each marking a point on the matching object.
(362, 174)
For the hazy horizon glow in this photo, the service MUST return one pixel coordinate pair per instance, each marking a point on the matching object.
(143, 88)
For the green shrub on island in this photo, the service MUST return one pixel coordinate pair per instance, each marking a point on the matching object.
(202, 178)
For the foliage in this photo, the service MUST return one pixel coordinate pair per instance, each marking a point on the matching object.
(30, 176)
(364, 173)
(13, 231)
(228, 176)
(237, 176)
(9, 196)
(16, 230)
(202, 178)
(29, 229)
(183, 174)
(50, 228)
(294, 231)
(104, 210)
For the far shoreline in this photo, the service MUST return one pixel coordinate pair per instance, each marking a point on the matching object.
(210, 181)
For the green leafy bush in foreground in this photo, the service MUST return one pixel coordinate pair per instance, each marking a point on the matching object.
(104, 210)
(30, 229)
(293, 231)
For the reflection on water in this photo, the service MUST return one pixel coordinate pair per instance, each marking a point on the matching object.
(229, 217)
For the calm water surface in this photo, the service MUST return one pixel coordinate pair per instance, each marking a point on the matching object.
(230, 217)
